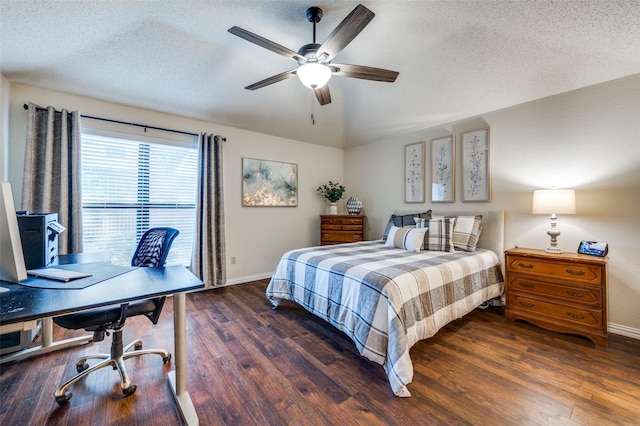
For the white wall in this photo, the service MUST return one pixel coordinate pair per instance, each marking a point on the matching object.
(256, 236)
(586, 140)
(5, 89)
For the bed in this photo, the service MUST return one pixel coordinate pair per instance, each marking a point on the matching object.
(386, 297)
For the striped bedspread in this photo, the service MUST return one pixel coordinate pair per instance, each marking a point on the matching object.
(386, 299)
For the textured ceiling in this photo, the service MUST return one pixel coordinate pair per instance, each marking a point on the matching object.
(456, 59)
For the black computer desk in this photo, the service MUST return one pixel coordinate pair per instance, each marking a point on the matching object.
(46, 324)
(22, 304)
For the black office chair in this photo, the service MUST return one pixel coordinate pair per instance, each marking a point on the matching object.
(152, 251)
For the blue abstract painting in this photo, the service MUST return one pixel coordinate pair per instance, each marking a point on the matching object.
(269, 183)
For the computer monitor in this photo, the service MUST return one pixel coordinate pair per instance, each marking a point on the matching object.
(12, 267)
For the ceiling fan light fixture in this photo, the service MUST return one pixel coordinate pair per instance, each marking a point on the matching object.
(314, 75)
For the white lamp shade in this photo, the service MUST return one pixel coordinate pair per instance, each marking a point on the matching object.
(554, 201)
(314, 75)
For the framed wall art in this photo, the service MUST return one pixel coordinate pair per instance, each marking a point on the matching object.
(443, 154)
(269, 183)
(476, 172)
(414, 173)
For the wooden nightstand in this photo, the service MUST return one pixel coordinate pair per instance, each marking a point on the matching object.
(338, 229)
(564, 292)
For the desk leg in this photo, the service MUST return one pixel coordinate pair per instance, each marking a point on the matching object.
(178, 378)
(46, 344)
(46, 332)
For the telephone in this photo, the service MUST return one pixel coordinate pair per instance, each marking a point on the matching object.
(593, 248)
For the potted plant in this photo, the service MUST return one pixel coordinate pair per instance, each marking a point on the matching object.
(333, 193)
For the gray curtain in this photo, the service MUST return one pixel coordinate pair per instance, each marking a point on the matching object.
(208, 262)
(51, 182)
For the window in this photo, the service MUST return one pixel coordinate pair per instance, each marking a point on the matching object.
(132, 182)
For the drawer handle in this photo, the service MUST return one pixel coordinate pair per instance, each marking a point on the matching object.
(522, 265)
(526, 305)
(326, 236)
(526, 285)
(569, 271)
(571, 293)
(356, 236)
(572, 315)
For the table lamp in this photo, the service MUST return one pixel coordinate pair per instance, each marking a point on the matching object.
(553, 202)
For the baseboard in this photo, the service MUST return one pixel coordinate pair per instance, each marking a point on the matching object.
(623, 330)
(248, 278)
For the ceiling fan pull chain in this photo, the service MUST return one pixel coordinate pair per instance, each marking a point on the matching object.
(313, 108)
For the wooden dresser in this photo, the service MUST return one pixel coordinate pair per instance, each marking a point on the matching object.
(564, 292)
(338, 229)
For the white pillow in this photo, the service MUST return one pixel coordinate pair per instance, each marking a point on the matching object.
(406, 238)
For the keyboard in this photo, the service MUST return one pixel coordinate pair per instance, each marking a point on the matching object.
(57, 274)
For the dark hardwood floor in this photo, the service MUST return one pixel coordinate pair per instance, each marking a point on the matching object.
(252, 365)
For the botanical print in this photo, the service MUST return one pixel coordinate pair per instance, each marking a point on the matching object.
(414, 178)
(442, 169)
(476, 165)
(269, 183)
(476, 172)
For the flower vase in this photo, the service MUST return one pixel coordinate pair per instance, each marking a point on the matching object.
(333, 208)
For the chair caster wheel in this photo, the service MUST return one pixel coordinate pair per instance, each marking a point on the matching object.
(61, 400)
(166, 359)
(81, 367)
(130, 390)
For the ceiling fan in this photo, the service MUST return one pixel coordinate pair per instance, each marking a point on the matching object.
(314, 60)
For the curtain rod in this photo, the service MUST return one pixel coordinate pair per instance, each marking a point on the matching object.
(128, 123)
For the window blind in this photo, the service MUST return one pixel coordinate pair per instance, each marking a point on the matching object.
(131, 184)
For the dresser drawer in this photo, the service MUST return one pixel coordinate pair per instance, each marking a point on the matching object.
(353, 221)
(345, 227)
(331, 227)
(340, 236)
(582, 316)
(579, 272)
(330, 221)
(590, 296)
(353, 227)
(345, 223)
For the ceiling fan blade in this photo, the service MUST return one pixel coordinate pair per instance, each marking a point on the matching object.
(345, 32)
(273, 79)
(365, 73)
(267, 44)
(323, 94)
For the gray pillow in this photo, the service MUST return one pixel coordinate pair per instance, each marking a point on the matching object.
(405, 220)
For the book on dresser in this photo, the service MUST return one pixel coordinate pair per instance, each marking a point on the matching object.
(564, 292)
(339, 229)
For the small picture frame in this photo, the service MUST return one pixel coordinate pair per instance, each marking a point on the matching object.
(476, 171)
(414, 173)
(443, 154)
